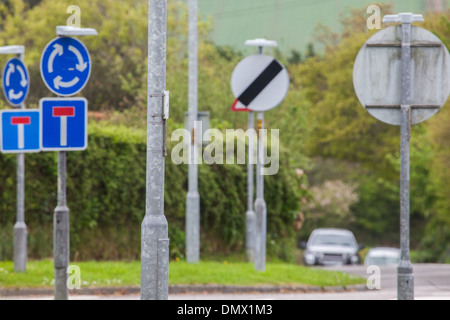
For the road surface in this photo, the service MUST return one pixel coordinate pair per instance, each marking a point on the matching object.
(431, 282)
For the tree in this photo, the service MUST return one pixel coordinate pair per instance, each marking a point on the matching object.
(310, 52)
(295, 57)
(331, 203)
(342, 131)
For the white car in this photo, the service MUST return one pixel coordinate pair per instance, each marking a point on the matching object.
(382, 256)
(329, 246)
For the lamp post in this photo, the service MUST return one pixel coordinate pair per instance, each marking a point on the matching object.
(154, 228)
(193, 197)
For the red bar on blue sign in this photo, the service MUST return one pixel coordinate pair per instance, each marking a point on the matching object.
(63, 111)
(20, 120)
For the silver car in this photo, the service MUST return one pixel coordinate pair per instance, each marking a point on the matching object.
(329, 246)
(382, 256)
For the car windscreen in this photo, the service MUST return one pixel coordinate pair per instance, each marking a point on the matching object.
(332, 240)
(380, 261)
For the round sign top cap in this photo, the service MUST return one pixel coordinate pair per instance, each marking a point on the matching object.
(260, 42)
(12, 50)
(66, 31)
(403, 17)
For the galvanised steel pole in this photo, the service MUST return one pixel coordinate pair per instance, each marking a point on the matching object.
(250, 214)
(61, 232)
(193, 197)
(61, 237)
(154, 228)
(405, 277)
(20, 228)
(61, 221)
(260, 204)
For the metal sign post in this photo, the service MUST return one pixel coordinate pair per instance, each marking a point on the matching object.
(250, 223)
(250, 215)
(260, 203)
(61, 233)
(403, 89)
(20, 228)
(405, 276)
(154, 229)
(259, 83)
(65, 70)
(193, 197)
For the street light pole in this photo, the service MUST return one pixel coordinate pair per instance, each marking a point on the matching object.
(154, 228)
(193, 197)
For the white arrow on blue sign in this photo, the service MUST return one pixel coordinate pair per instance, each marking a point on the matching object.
(16, 81)
(65, 66)
(20, 131)
(63, 124)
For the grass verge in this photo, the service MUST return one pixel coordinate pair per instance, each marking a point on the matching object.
(107, 273)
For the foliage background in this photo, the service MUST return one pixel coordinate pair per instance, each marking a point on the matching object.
(106, 198)
(327, 139)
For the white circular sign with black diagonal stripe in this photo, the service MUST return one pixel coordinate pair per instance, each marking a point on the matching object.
(259, 83)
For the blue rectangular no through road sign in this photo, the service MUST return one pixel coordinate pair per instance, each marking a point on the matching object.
(63, 124)
(20, 131)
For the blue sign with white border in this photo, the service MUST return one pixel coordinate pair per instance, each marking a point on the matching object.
(16, 81)
(63, 124)
(20, 131)
(65, 66)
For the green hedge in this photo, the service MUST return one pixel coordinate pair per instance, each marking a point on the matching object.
(106, 198)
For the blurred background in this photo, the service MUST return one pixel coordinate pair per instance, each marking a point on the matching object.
(339, 166)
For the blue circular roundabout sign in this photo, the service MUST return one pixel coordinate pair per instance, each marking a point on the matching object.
(65, 66)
